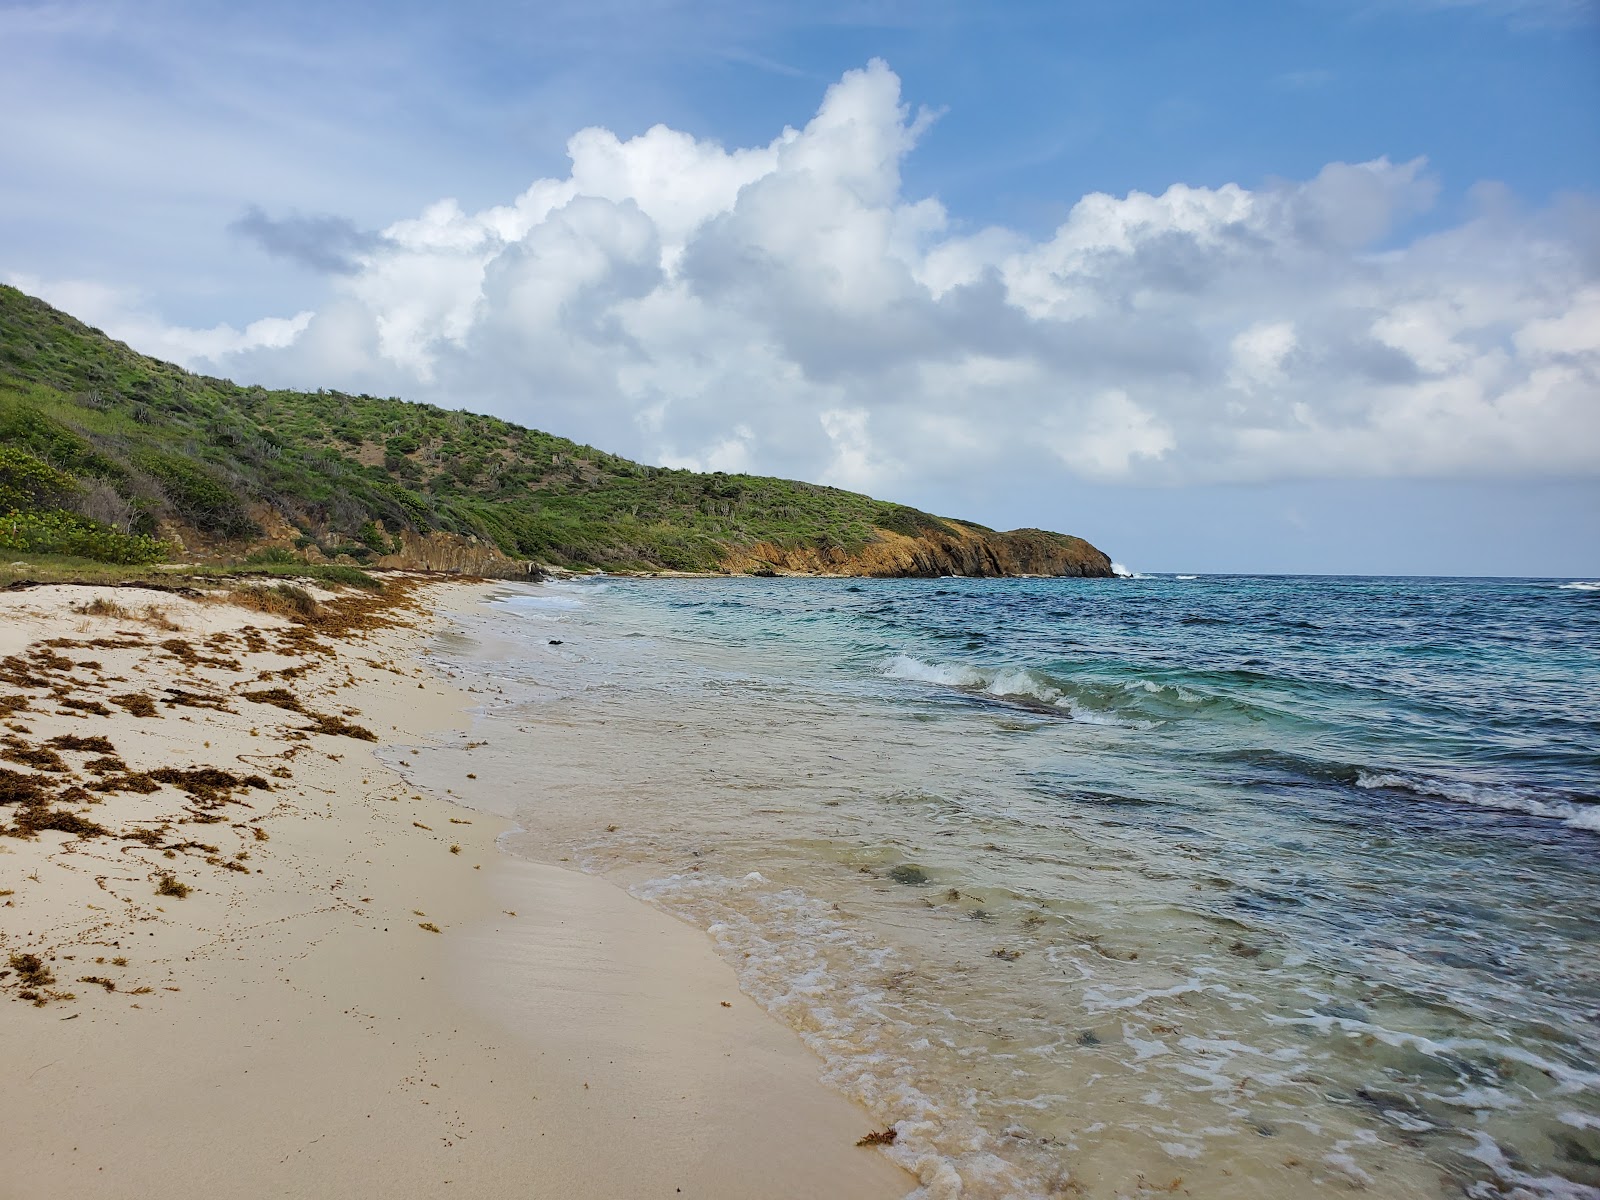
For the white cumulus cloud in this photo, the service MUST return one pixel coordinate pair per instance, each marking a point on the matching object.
(790, 308)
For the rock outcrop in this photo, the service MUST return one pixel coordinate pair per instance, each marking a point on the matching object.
(455, 554)
(953, 550)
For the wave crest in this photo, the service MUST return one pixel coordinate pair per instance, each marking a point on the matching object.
(1576, 814)
(1017, 684)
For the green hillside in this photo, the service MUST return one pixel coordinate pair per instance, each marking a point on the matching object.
(102, 449)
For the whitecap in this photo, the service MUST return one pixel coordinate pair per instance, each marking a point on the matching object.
(903, 666)
(1504, 797)
(1580, 585)
(1089, 716)
(995, 681)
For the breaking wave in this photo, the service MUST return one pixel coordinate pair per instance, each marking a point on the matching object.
(1577, 814)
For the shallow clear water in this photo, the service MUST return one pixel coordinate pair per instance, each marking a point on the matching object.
(1254, 887)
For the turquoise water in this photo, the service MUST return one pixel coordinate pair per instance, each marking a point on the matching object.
(1249, 886)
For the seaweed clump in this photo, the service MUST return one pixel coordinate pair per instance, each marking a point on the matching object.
(880, 1137)
(277, 697)
(36, 980)
(136, 704)
(338, 727)
(87, 706)
(89, 745)
(33, 798)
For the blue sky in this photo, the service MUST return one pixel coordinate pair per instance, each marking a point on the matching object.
(1309, 351)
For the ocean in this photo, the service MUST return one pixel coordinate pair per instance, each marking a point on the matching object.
(1224, 886)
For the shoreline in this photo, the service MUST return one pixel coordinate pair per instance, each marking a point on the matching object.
(293, 1024)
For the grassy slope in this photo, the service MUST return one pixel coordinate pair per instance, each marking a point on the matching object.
(149, 441)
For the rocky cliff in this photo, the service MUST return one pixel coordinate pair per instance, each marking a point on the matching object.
(953, 550)
(455, 554)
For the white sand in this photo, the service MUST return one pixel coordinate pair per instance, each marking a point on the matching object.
(302, 1035)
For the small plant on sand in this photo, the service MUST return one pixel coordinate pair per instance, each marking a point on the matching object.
(429, 926)
(157, 618)
(880, 1137)
(102, 606)
(167, 884)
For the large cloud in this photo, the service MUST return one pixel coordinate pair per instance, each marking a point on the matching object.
(789, 308)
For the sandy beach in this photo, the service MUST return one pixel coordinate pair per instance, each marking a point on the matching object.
(244, 958)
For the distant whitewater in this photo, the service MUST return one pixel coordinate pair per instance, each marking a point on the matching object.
(1233, 887)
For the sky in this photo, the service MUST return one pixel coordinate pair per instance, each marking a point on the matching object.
(1291, 286)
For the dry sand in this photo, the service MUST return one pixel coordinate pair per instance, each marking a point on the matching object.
(291, 1027)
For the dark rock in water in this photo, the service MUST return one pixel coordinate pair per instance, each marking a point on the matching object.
(1385, 1102)
(1343, 1012)
(1245, 950)
(906, 873)
(1264, 1129)
(1088, 1038)
(555, 641)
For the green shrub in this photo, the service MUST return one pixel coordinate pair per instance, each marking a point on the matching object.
(27, 482)
(197, 494)
(54, 531)
(271, 555)
(374, 539)
(347, 575)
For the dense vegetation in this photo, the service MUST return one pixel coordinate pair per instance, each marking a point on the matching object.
(103, 445)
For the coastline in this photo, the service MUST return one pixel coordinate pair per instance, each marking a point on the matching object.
(292, 1024)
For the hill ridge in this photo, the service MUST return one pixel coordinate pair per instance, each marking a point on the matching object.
(121, 445)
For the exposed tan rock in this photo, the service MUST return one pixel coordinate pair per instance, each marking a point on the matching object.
(957, 550)
(456, 554)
